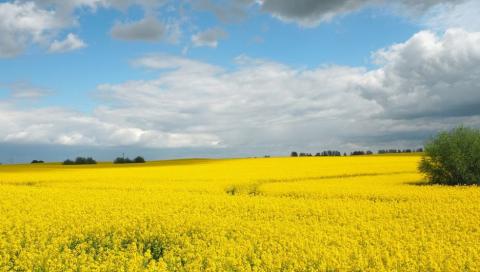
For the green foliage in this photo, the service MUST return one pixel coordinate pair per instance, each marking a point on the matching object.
(139, 159)
(80, 160)
(120, 160)
(37, 161)
(68, 162)
(453, 157)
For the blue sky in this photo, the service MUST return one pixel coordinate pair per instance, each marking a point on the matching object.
(232, 78)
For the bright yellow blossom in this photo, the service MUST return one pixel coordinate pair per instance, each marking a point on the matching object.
(367, 213)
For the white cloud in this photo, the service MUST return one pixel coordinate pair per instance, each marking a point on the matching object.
(70, 43)
(261, 102)
(25, 23)
(58, 126)
(427, 83)
(454, 15)
(209, 37)
(429, 74)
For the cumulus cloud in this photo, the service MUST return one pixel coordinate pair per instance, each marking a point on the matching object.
(58, 126)
(25, 23)
(147, 29)
(427, 83)
(70, 43)
(424, 84)
(209, 37)
(428, 75)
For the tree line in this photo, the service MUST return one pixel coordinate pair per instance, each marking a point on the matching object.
(137, 159)
(335, 153)
(90, 160)
(80, 161)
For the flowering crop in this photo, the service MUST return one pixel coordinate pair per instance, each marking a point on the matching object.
(370, 213)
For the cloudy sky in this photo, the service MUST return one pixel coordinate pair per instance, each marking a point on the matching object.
(208, 78)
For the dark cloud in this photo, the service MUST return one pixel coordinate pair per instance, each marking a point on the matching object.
(311, 12)
(148, 29)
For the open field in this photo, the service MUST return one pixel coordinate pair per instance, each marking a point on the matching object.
(276, 214)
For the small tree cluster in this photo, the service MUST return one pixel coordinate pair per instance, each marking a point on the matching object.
(318, 154)
(37, 161)
(329, 153)
(395, 151)
(453, 158)
(361, 152)
(121, 160)
(79, 161)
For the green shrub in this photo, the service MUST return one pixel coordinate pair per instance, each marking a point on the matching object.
(68, 162)
(80, 160)
(453, 157)
(139, 159)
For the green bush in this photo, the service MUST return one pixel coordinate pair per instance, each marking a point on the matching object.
(138, 159)
(453, 157)
(80, 160)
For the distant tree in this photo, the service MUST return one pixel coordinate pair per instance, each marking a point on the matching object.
(68, 162)
(90, 160)
(294, 154)
(453, 157)
(37, 161)
(140, 159)
(119, 160)
(331, 153)
(79, 161)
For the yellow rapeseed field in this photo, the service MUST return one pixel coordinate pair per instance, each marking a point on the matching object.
(366, 213)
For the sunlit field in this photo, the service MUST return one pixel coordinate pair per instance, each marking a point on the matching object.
(365, 213)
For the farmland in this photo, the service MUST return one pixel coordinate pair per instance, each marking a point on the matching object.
(271, 214)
